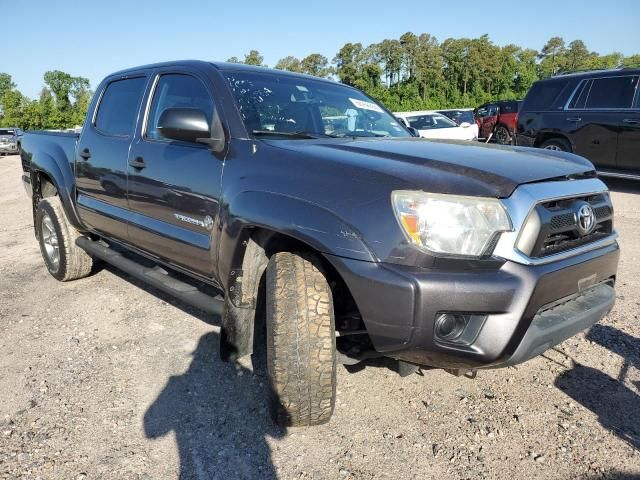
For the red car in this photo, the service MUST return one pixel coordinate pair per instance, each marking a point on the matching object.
(498, 118)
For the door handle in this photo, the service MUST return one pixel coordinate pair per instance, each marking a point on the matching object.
(138, 163)
(631, 121)
(85, 154)
(573, 119)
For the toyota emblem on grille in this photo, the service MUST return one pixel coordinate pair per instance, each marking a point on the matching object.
(585, 219)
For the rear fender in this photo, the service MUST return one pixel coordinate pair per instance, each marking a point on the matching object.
(61, 175)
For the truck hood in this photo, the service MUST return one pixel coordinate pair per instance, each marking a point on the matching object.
(444, 167)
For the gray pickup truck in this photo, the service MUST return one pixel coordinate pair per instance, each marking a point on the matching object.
(10, 139)
(274, 198)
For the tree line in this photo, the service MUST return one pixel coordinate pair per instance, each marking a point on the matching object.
(413, 72)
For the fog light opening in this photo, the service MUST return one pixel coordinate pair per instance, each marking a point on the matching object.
(458, 328)
(450, 326)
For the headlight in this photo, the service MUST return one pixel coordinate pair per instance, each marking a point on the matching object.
(450, 224)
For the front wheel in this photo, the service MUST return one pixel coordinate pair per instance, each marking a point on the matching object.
(301, 344)
(63, 258)
(557, 144)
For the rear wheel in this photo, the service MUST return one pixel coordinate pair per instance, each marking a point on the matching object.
(503, 136)
(63, 258)
(557, 144)
(301, 346)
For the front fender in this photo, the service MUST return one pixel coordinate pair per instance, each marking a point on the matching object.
(306, 222)
(61, 175)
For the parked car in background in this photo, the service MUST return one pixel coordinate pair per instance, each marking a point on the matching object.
(463, 117)
(10, 139)
(595, 114)
(430, 124)
(498, 120)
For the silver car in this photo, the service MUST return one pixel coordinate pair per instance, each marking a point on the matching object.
(10, 140)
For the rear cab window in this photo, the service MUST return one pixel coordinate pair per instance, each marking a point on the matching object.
(118, 108)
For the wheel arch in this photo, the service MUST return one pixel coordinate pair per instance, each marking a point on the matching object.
(46, 173)
(255, 246)
(545, 136)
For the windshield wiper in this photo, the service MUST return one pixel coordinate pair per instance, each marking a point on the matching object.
(300, 134)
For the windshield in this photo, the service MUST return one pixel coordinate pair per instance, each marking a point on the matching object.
(430, 121)
(460, 116)
(272, 104)
(7, 132)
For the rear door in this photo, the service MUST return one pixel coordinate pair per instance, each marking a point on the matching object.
(174, 187)
(103, 149)
(597, 108)
(628, 156)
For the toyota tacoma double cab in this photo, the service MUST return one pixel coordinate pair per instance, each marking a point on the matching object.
(301, 205)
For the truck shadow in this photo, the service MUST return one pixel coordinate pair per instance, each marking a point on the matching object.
(616, 405)
(218, 411)
(219, 414)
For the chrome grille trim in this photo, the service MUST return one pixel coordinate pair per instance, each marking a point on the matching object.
(524, 200)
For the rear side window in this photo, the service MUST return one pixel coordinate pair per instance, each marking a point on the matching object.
(119, 106)
(509, 107)
(177, 91)
(546, 95)
(612, 92)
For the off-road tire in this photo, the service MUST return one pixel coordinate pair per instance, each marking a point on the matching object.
(502, 136)
(73, 262)
(301, 344)
(558, 144)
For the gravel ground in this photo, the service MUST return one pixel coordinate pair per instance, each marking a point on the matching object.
(106, 378)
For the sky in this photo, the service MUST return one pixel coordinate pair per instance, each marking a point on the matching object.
(92, 39)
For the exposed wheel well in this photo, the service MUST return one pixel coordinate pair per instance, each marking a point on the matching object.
(345, 307)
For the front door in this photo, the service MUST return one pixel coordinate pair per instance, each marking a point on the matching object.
(487, 117)
(103, 149)
(174, 187)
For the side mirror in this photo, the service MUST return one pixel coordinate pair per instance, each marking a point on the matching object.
(413, 131)
(184, 124)
(465, 124)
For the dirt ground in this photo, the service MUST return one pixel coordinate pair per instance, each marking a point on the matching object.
(106, 378)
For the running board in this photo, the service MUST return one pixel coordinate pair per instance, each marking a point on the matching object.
(619, 174)
(155, 276)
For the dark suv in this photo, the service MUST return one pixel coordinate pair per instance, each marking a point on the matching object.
(595, 114)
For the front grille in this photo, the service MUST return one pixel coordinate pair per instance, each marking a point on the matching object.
(559, 224)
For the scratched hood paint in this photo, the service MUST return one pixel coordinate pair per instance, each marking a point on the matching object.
(443, 167)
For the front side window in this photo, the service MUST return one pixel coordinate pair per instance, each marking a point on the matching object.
(613, 92)
(177, 91)
(271, 104)
(119, 106)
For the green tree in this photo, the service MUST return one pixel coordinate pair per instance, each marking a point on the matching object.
(552, 56)
(254, 58)
(289, 63)
(316, 65)
(632, 61)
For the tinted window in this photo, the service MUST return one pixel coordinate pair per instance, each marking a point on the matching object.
(580, 97)
(546, 95)
(459, 116)
(177, 91)
(7, 132)
(614, 92)
(509, 107)
(119, 106)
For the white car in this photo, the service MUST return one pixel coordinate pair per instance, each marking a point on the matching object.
(435, 125)
(463, 117)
